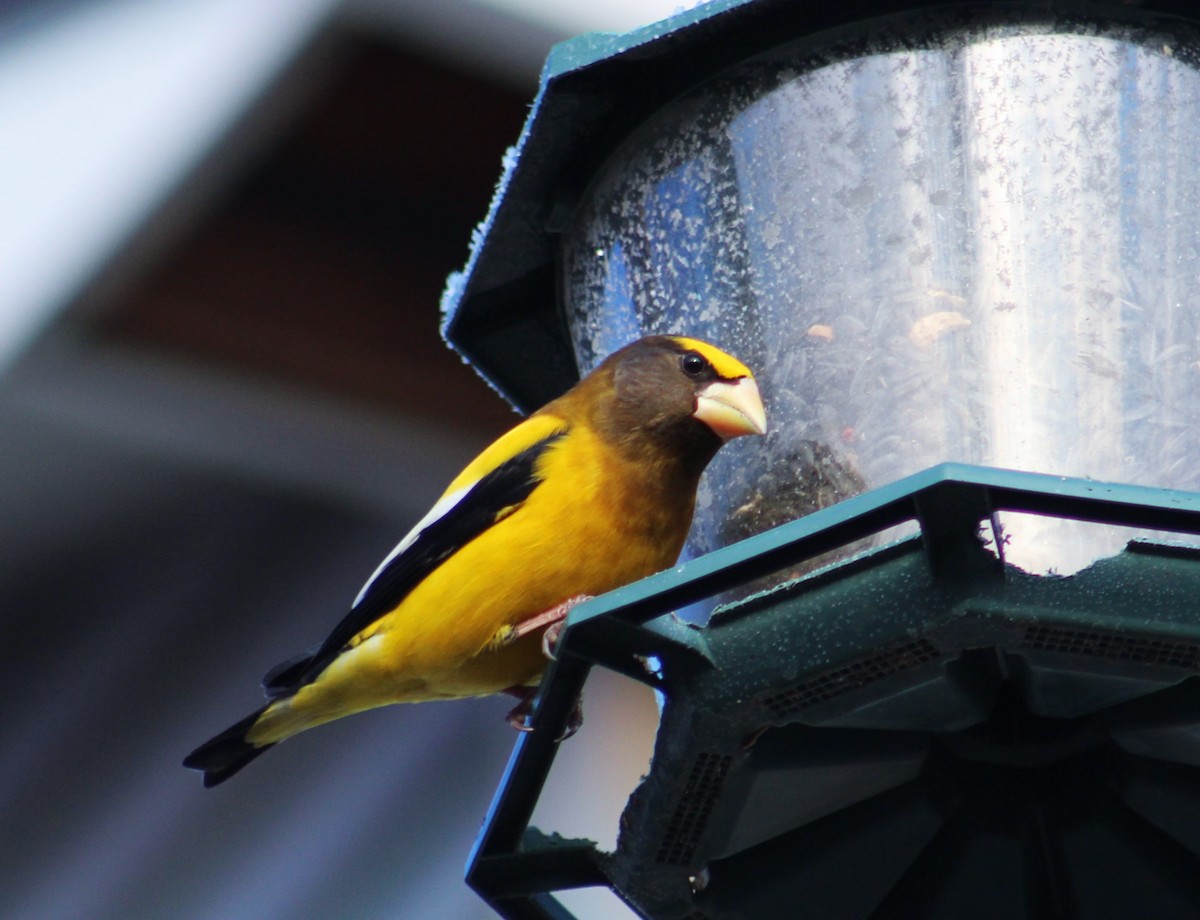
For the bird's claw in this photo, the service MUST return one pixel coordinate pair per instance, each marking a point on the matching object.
(520, 715)
(574, 721)
(550, 639)
(518, 718)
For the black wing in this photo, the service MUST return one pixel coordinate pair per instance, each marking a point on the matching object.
(507, 485)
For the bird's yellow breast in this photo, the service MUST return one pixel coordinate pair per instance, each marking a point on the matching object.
(589, 527)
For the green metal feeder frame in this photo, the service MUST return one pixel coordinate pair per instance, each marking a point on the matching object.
(954, 240)
(919, 732)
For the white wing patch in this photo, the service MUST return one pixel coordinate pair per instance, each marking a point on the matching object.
(437, 512)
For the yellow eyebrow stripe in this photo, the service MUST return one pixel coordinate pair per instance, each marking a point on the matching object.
(727, 366)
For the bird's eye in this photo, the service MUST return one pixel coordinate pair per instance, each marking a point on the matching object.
(693, 365)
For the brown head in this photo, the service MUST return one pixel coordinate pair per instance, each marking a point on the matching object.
(669, 399)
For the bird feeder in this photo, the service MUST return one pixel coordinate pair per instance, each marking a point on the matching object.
(946, 621)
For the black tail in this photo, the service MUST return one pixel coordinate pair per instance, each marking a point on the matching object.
(228, 752)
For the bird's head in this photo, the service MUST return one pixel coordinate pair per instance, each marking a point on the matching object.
(685, 395)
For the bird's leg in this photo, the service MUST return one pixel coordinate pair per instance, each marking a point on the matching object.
(553, 621)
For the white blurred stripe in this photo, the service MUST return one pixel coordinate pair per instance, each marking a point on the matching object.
(105, 109)
(578, 16)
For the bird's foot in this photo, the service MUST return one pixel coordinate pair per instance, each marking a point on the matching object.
(551, 620)
(519, 716)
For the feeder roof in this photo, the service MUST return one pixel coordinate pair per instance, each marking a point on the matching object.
(502, 312)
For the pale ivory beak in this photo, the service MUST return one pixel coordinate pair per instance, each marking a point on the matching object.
(732, 408)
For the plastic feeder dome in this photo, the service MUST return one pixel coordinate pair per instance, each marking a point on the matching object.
(966, 234)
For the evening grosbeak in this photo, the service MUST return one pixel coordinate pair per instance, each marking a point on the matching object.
(591, 492)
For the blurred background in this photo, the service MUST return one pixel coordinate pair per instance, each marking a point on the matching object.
(224, 232)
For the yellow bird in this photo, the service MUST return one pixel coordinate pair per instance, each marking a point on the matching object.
(589, 493)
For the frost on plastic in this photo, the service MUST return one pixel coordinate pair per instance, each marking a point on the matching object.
(979, 245)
